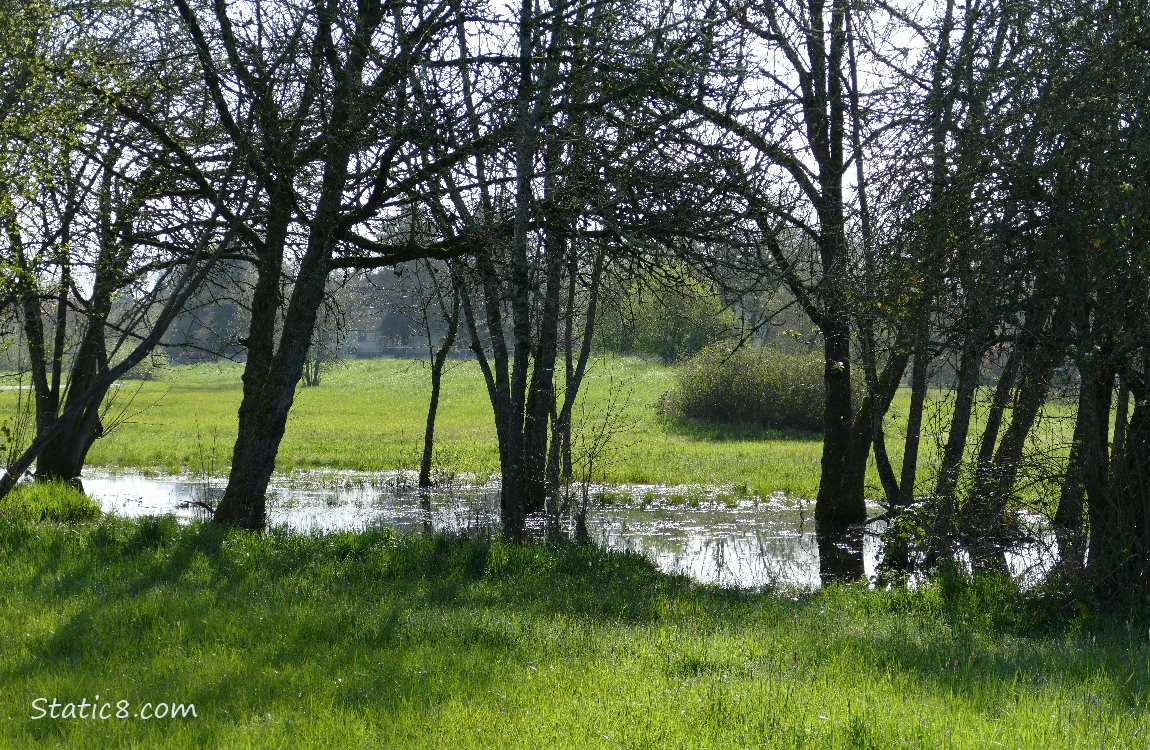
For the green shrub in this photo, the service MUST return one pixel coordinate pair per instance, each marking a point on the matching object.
(149, 368)
(752, 387)
(671, 315)
(49, 501)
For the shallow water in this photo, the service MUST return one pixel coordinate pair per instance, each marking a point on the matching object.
(712, 536)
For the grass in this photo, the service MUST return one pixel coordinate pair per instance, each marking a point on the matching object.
(369, 416)
(49, 501)
(379, 640)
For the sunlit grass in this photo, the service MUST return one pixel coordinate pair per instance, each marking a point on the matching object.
(49, 501)
(378, 640)
(369, 416)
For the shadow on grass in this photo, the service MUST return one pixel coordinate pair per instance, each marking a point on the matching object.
(718, 432)
(258, 626)
(986, 640)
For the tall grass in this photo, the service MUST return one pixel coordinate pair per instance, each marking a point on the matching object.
(49, 501)
(753, 387)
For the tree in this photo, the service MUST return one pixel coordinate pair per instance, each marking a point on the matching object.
(670, 315)
(95, 229)
(785, 105)
(545, 209)
(317, 100)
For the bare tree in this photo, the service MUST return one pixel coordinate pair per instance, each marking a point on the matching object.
(94, 226)
(316, 99)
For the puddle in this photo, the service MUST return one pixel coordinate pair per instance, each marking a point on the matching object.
(710, 536)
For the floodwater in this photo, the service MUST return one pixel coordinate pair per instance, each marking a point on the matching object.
(712, 536)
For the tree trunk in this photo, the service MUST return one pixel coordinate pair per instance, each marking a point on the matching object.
(560, 462)
(270, 375)
(997, 411)
(541, 403)
(437, 365)
(867, 430)
(1085, 459)
(993, 488)
(1119, 562)
(836, 504)
(64, 456)
(913, 427)
(1121, 420)
(968, 371)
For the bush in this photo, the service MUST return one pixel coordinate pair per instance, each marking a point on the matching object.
(49, 501)
(149, 368)
(671, 316)
(753, 387)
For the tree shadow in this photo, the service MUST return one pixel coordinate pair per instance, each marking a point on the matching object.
(719, 432)
(377, 623)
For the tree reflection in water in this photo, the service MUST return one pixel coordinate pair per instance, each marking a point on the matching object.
(840, 552)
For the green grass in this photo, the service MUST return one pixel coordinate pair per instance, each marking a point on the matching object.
(49, 501)
(378, 640)
(370, 415)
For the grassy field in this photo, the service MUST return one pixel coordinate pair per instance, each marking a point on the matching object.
(374, 640)
(380, 640)
(369, 416)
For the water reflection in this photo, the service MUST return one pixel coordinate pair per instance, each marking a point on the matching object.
(711, 537)
(840, 552)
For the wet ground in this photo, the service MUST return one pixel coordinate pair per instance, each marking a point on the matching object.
(715, 536)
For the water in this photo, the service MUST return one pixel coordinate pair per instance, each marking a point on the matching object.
(712, 536)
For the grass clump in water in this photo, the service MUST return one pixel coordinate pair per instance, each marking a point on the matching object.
(49, 501)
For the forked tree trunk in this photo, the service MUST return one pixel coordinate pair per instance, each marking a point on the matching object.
(267, 399)
(271, 375)
(64, 456)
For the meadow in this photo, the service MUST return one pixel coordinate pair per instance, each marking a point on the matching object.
(369, 416)
(378, 640)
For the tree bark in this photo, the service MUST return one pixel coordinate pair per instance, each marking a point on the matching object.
(271, 375)
(836, 504)
(968, 370)
(1119, 558)
(918, 385)
(992, 489)
(437, 364)
(867, 430)
(541, 403)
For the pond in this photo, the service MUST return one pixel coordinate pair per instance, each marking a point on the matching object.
(711, 535)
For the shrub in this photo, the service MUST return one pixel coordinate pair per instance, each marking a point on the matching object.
(149, 368)
(670, 316)
(49, 501)
(753, 387)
